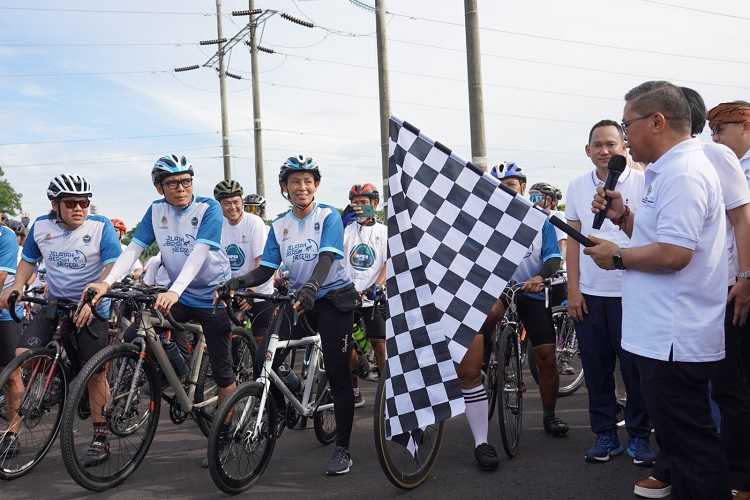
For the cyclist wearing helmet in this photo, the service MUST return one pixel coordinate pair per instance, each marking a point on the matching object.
(19, 230)
(187, 230)
(121, 229)
(255, 204)
(309, 241)
(546, 196)
(243, 237)
(541, 261)
(365, 250)
(77, 249)
(9, 330)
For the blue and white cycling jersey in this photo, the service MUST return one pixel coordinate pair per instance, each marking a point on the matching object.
(73, 259)
(296, 243)
(8, 263)
(543, 248)
(175, 231)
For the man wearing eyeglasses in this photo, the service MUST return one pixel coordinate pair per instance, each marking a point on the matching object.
(595, 303)
(674, 289)
(730, 126)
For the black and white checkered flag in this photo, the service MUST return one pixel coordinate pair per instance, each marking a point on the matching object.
(454, 241)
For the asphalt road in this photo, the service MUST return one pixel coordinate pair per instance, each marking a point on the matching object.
(545, 468)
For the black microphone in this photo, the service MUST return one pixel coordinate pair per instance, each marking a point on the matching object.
(615, 166)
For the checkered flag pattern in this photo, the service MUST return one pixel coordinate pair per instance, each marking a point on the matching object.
(455, 237)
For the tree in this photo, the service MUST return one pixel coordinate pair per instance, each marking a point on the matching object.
(10, 200)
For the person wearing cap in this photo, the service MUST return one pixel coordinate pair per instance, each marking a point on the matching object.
(730, 126)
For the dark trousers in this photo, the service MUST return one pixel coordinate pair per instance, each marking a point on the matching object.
(690, 456)
(732, 394)
(599, 338)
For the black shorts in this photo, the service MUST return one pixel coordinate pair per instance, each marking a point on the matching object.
(217, 331)
(537, 320)
(10, 333)
(374, 323)
(260, 317)
(85, 342)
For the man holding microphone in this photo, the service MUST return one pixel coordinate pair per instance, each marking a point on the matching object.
(674, 289)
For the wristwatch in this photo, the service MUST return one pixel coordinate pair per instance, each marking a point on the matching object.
(617, 260)
(743, 275)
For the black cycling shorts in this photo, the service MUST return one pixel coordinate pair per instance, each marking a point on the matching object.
(537, 320)
(374, 323)
(217, 331)
(85, 342)
(10, 333)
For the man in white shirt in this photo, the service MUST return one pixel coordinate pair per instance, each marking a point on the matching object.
(365, 253)
(730, 123)
(595, 303)
(674, 291)
(243, 237)
(122, 229)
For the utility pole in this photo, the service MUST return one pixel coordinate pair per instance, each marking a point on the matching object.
(260, 185)
(476, 101)
(223, 94)
(385, 106)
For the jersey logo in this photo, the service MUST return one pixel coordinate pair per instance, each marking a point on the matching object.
(362, 257)
(87, 238)
(69, 260)
(180, 244)
(164, 221)
(284, 233)
(305, 251)
(236, 257)
(194, 221)
(317, 226)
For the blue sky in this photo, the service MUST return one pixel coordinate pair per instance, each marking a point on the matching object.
(541, 95)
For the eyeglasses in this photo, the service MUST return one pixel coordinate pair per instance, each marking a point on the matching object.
(172, 184)
(625, 124)
(718, 128)
(536, 198)
(71, 204)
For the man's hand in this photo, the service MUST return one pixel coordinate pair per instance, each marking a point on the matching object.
(84, 316)
(740, 294)
(577, 307)
(616, 205)
(165, 301)
(602, 252)
(100, 287)
(245, 304)
(535, 284)
(305, 298)
(6, 293)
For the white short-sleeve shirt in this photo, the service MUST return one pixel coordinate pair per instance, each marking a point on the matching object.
(735, 191)
(745, 162)
(244, 242)
(365, 251)
(592, 279)
(679, 312)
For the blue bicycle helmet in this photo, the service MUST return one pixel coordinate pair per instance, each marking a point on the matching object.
(298, 164)
(508, 170)
(168, 165)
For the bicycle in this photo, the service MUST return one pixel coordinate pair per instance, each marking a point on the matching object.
(568, 355)
(247, 425)
(46, 373)
(134, 404)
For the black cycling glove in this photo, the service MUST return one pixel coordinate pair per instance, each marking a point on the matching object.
(306, 295)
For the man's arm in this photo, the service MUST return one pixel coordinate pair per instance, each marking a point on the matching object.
(577, 307)
(740, 219)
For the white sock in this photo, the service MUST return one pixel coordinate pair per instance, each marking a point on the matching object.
(476, 413)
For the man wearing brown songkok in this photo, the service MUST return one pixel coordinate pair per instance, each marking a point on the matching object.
(730, 126)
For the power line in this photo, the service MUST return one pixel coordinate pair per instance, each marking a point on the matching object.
(106, 11)
(83, 73)
(99, 44)
(573, 41)
(105, 139)
(693, 9)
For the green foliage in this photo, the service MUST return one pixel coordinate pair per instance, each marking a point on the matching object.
(10, 200)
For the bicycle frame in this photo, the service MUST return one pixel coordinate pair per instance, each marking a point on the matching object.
(147, 339)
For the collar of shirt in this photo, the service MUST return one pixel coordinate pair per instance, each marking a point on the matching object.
(315, 207)
(746, 156)
(681, 147)
(623, 177)
(192, 200)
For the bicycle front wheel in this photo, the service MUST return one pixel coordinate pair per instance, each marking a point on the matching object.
(129, 389)
(404, 469)
(36, 421)
(239, 446)
(510, 390)
(569, 364)
(324, 421)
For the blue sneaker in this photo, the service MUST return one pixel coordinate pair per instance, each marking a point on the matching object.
(607, 445)
(641, 452)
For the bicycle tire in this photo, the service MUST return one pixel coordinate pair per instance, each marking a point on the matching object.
(510, 390)
(322, 418)
(402, 479)
(490, 371)
(7, 470)
(107, 359)
(216, 446)
(243, 348)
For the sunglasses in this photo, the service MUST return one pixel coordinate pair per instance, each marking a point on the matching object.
(536, 198)
(185, 183)
(71, 204)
